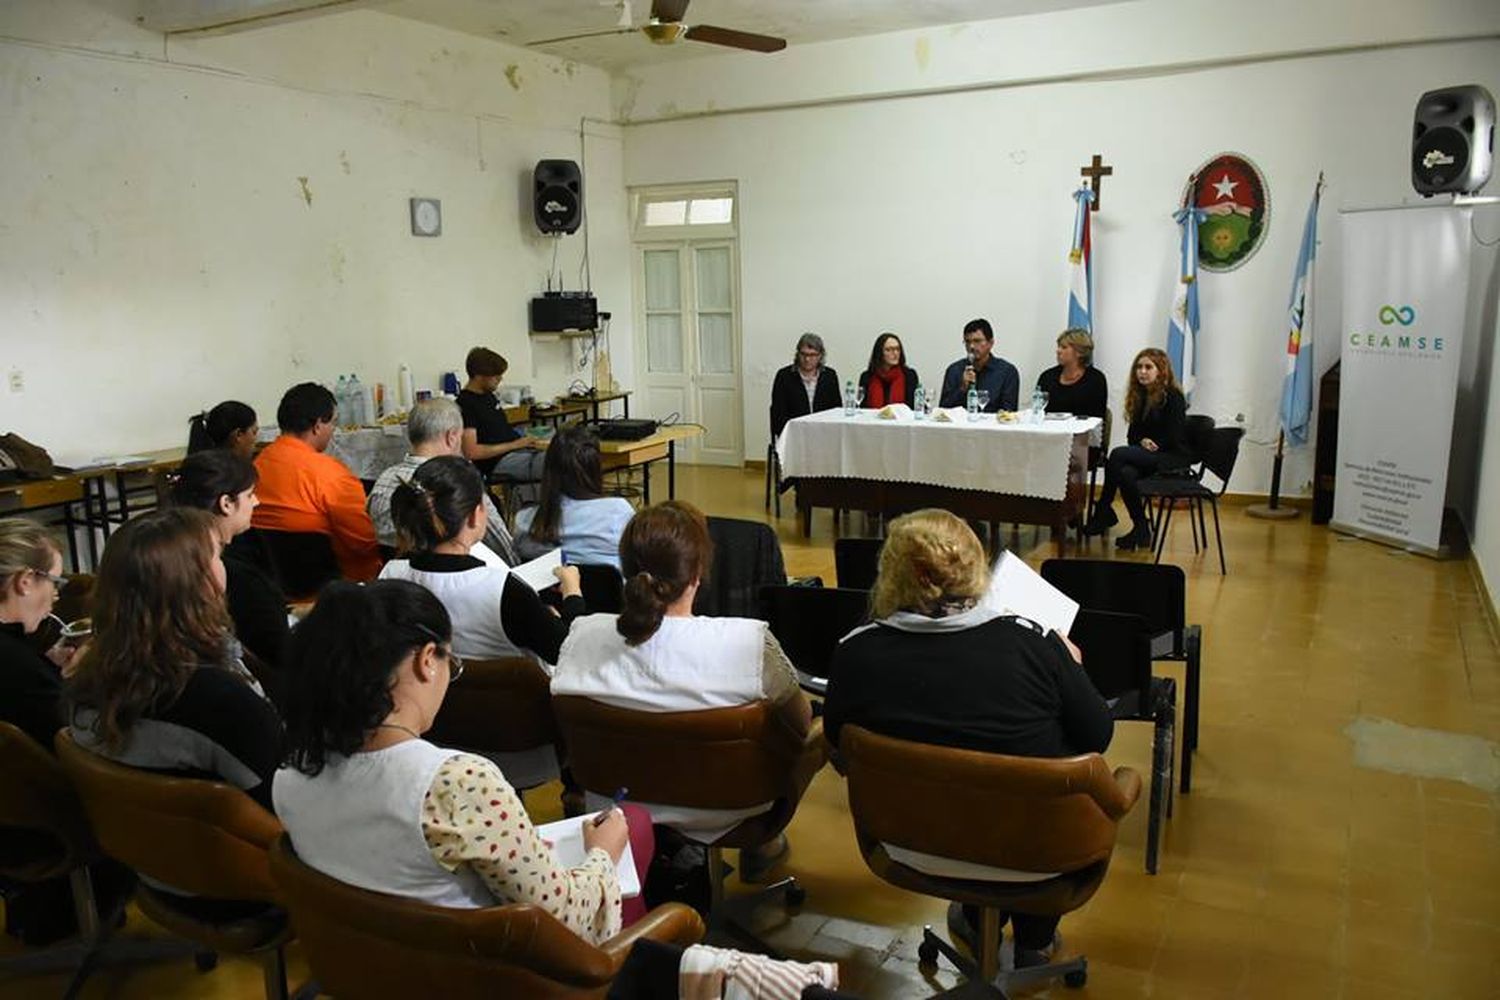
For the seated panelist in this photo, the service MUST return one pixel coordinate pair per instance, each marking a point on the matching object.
(807, 385)
(981, 370)
(887, 379)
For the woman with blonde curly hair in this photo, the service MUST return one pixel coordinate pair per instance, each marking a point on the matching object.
(938, 666)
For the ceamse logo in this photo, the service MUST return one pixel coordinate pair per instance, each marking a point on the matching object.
(1395, 340)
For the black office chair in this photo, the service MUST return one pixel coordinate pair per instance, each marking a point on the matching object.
(809, 622)
(1219, 455)
(1159, 595)
(301, 561)
(1195, 434)
(1117, 657)
(747, 557)
(603, 587)
(856, 561)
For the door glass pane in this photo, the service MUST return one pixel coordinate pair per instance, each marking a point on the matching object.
(664, 343)
(662, 280)
(713, 278)
(715, 343)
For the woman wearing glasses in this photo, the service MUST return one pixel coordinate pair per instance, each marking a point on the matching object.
(368, 801)
(805, 386)
(30, 679)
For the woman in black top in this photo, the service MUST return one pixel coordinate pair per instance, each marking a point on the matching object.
(1074, 385)
(805, 386)
(1157, 411)
(30, 679)
(936, 666)
(223, 483)
(230, 425)
(887, 379)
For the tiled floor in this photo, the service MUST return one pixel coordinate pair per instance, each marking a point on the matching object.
(1290, 871)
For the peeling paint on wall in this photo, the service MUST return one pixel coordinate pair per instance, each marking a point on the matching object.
(924, 53)
(336, 261)
(513, 76)
(344, 161)
(306, 191)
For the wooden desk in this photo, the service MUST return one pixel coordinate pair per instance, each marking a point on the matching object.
(32, 496)
(652, 448)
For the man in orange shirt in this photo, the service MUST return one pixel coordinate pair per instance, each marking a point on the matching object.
(302, 489)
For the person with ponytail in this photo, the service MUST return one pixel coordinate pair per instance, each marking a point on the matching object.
(368, 801)
(1157, 411)
(223, 483)
(656, 656)
(230, 425)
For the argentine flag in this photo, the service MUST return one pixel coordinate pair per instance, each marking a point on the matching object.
(1081, 266)
(1182, 325)
(1296, 390)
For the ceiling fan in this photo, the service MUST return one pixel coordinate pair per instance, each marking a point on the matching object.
(666, 27)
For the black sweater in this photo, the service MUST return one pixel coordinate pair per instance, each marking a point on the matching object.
(1088, 397)
(256, 605)
(30, 686)
(789, 397)
(1164, 425)
(1000, 686)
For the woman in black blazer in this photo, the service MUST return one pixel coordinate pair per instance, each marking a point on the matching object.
(805, 386)
(886, 379)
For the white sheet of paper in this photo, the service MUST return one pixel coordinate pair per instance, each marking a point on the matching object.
(537, 574)
(1017, 589)
(566, 837)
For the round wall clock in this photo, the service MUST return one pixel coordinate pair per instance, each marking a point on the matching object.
(426, 217)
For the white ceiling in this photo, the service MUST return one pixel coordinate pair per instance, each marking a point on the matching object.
(798, 21)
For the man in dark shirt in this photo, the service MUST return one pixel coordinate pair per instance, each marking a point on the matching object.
(982, 370)
(490, 442)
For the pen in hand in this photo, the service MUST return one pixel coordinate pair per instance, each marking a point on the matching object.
(605, 814)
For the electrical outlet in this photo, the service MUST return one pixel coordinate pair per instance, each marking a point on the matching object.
(17, 380)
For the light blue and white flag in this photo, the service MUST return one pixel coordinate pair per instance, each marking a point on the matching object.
(1081, 266)
(1296, 389)
(1182, 325)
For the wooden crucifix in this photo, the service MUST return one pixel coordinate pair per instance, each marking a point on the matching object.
(1094, 171)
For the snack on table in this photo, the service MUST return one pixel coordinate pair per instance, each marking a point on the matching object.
(1007, 416)
(886, 413)
(941, 417)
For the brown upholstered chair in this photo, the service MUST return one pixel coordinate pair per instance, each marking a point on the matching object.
(364, 945)
(202, 837)
(1022, 813)
(499, 706)
(45, 835)
(717, 758)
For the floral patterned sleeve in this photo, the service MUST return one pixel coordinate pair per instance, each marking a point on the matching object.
(471, 816)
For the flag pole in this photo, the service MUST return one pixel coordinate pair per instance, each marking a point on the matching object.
(1273, 511)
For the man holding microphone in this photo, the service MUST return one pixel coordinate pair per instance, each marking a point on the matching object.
(981, 370)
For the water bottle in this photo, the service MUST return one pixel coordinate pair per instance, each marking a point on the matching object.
(919, 402)
(971, 403)
(341, 401)
(849, 404)
(1038, 405)
(356, 401)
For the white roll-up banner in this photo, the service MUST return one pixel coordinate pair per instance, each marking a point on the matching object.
(1406, 278)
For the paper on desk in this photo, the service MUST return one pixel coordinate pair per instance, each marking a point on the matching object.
(566, 837)
(537, 574)
(1017, 589)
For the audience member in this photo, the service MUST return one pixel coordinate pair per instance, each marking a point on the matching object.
(230, 425)
(304, 490)
(490, 442)
(574, 513)
(1157, 411)
(160, 686)
(982, 370)
(807, 385)
(937, 667)
(656, 656)
(367, 801)
(886, 379)
(31, 681)
(435, 427)
(223, 483)
(1074, 385)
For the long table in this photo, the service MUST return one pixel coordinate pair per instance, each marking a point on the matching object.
(986, 469)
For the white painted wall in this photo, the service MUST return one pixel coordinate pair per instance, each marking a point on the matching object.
(1485, 525)
(916, 213)
(158, 252)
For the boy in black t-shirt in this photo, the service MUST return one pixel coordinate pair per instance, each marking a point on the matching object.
(490, 442)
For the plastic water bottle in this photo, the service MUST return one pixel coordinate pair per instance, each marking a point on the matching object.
(356, 401)
(341, 401)
(849, 402)
(971, 403)
(919, 403)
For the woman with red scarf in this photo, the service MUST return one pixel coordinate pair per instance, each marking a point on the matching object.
(887, 379)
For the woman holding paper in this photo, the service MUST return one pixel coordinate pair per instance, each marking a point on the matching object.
(939, 665)
(440, 518)
(368, 801)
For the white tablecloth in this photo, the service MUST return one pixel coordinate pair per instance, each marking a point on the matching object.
(369, 451)
(1022, 459)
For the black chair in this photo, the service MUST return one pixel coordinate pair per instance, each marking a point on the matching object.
(603, 587)
(809, 622)
(747, 557)
(1097, 457)
(1220, 452)
(774, 488)
(856, 561)
(301, 561)
(1117, 657)
(1159, 595)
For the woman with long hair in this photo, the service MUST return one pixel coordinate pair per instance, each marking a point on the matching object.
(1074, 385)
(656, 656)
(1157, 411)
(230, 425)
(222, 482)
(937, 666)
(160, 685)
(368, 801)
(887, 379)
(573, 511)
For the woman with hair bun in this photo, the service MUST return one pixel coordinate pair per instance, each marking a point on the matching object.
(656, 656)
(231, 425)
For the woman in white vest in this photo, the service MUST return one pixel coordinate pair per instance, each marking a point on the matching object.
(367, 801)
(656, 656)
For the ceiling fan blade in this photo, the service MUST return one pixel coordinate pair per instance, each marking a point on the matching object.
(735, 39)
(586, 34)
(669, 10)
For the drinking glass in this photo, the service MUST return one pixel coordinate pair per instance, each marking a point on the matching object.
(859, 397)
(984, 399)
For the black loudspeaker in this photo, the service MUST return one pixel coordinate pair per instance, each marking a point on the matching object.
(557, 196)
(1453, 141)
